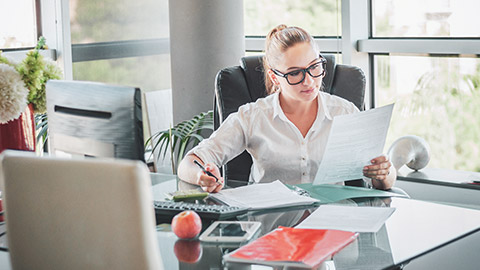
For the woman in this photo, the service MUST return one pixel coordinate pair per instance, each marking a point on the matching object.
(285, 132)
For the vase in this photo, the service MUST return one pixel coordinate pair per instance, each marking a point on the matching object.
(19, 134)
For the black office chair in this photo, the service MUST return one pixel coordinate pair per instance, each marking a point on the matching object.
(242, 84)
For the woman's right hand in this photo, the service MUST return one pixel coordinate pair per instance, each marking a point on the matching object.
(208, 183)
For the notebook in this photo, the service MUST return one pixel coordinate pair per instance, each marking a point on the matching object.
(306, 248)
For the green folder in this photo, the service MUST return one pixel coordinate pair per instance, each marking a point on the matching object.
(328, 193)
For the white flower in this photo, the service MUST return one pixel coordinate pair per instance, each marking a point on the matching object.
(13, 94)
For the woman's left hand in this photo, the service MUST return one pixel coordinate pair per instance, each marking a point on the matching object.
(379, 169)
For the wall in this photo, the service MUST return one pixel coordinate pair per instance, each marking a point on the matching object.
(205, 36)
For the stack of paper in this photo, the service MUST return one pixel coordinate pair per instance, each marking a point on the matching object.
(262, 196)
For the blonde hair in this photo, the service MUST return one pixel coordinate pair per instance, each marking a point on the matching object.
(278, 40)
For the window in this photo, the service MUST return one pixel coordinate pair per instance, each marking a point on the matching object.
(319, 17)
(146, 72)
(18, 24)
(94, 21)
(121, 42)
(437, 99)
(427, 18)
(436, 90)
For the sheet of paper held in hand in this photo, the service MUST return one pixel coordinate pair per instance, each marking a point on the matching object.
(347, 218)
(353, 141)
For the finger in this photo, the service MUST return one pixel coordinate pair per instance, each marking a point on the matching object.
(379, 159)
(211, 167)
(205, 180)
(377, 177)
(210, 181)
(208, 189)
(383, 165)
(380, 177)
(376, 172)
(369, 171)
(369, 175)
(371, 167)
(218, 188)
(387, 165)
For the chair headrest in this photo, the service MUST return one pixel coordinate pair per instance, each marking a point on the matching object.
(330, 70)
(253, 68)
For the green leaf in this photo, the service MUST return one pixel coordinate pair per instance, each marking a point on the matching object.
(185, 134)
(41, 128)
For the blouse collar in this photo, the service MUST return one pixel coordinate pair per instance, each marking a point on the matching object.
(322, 111)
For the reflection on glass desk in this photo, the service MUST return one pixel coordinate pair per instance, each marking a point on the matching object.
(415, 231)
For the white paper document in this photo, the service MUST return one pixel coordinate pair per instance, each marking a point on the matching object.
(262, 196)
(347, 218)
(353, 141)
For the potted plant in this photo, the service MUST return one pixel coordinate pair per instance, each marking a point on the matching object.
(22, 89)
(183, 136)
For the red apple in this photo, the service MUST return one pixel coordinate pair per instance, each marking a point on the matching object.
(189, 251)
(187, 224)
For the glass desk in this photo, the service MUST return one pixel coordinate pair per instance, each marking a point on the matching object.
(416, 230)
(417, 234)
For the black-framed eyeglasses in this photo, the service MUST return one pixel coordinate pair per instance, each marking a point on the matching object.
(298, 76)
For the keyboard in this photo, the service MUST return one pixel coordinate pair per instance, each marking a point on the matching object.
(166, 210)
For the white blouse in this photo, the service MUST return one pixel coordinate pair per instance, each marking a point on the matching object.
(278, 149)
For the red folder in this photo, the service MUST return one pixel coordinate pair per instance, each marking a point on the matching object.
(293, 247)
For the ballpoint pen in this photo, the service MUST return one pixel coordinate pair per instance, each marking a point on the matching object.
(205, 171)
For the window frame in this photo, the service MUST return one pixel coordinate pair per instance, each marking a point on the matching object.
(358, 46)
(19, 53)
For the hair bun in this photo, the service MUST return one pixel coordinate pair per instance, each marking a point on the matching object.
(275, 30)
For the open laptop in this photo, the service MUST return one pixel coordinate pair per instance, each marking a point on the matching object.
(78, 213)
